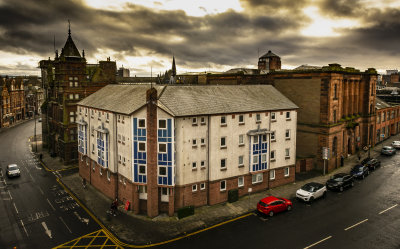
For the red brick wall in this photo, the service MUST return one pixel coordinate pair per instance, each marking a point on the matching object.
(280, 179)
(309, 164)
(125, 192)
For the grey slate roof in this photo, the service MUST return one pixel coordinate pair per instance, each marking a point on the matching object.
(191, 100)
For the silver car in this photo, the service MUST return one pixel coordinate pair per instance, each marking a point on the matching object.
(388, 150)
(311, 191)
(396, 144)
(13, 170)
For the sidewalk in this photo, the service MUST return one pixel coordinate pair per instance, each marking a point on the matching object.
(140, 230)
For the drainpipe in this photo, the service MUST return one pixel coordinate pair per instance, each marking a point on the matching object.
(115, 131)
(270, 149)
(208, 159)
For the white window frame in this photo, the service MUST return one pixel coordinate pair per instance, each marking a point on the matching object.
(223, 144)
(141, 127)
(162, 128)
(273, 116)
(263, 158)
(224, 167)
(142, 192)
(240, 181)
(71, 96)
(165, 197)
(194, 165)
(241, 139)
(257, 178)
(273, 155)
(255, 139)
(220, 185)
(145, 149)
(194, 142)
(273, 136)
(287, 134)
(241, 116)
(76, 96)
(272, 174)
(71, 84)
(166, 170)
(258, 117)
(194, 188)
(287, 115)
(286, 171)
(255, 159)
(287, 152)
(203, 120)
(203, 164)
(145, 169)
(202, 186)
(223, 120)
(202, 141)
(194, 121)
(241, 163)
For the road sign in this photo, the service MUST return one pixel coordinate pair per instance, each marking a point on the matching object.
(382, 135)
(325, 153)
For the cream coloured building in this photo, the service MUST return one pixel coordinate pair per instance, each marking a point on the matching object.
(165, 147)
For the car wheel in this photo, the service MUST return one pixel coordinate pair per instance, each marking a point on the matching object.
(271, 213)
(341, 189)
(311, 199)
(289, 208)
(352, 184)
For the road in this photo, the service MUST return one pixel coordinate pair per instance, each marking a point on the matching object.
(35, 211)
(366, 216)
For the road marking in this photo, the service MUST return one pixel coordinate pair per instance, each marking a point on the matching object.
(65, 224)
(33, 180)
(15, 207)
(41, 191)
(388, 209)
(84, 220)
(350, 227)
(9, 194)
(316, 243)
(46, 230)
(22, 223)
(51, 205)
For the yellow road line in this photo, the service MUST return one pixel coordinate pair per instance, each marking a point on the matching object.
(118, 242)
(78, 238)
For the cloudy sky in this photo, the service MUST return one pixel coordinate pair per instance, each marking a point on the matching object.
(204, 35)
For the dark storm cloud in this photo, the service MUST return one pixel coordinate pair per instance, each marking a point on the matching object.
(229, 38)
(342, 8)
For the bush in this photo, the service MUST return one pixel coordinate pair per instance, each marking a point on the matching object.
(185, 212)
(233, 195)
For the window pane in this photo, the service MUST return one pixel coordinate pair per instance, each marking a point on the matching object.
(142, 123)
(162, 171)
(162, 124)
(162, 148)
(142, 147)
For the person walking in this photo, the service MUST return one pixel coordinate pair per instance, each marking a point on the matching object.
(84, 182)
(114, 206)
(359, 156)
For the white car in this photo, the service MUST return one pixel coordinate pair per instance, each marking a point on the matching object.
(311, 191)
(13, 170)
(396, 144)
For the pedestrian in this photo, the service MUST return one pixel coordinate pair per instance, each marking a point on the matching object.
(341, 160)
(114, 206)
(84, 182)
(359, 156)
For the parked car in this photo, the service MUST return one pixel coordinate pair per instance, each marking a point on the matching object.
(373, 163)
(13, 170)
(388, 150)
(340, 182)
(396, 144)
(359, 171)
(271, 205)
(366, 160)
(311, 191)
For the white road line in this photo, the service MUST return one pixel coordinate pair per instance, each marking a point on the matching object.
(65, 224)
(31, 176)
(41, 191)
(350, 227)
(22, 223)
(388, 209)
(316, 243)
(9, 194)
(15, 207)
(51, 205)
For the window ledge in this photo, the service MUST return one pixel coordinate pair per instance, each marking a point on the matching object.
(224, 125)
(256, 183)
(287, 157)
(194, 169)
(273, 159)
(241, 166)
(288, 119)
(223, 147)
(203, 145)
(258, 122)
(203, 123)
(271, 179)
(203, 167)
(273, 120)
(287, 138)
(287, 176)
(222, 191)
(241, 123)
(273, 140)
(223, 169)
(194, 124)
(241, 145)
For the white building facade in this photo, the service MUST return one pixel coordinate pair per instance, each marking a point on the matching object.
(167, 147)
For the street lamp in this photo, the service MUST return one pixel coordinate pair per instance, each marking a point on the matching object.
(34, 132)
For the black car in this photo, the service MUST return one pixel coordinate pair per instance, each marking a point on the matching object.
(359, 171)
(373, 163)
(339, 182)
(365, 160)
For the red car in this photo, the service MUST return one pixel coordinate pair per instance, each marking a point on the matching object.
(271, 205)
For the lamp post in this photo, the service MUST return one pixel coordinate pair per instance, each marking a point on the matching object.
(34, 133)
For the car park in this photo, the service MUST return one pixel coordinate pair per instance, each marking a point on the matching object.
(388, 150)
(271, 205)
(396, 144)
(13, 170)
(359, 171)
(340, 182)
(311, 191)
(373, 163)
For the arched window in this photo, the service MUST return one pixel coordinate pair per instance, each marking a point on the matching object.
(334, 147)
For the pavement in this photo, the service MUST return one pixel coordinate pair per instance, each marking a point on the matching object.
(140, 230)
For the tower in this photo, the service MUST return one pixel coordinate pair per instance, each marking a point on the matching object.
(269, 61)
(172, 80)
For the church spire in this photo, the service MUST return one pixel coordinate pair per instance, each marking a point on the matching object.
(173, 66)
(69, 28)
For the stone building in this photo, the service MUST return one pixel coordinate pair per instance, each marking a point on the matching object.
(269, 62)
(336, 110)
(172, 146)
(387, 120)
(12, 101)
(66, 80)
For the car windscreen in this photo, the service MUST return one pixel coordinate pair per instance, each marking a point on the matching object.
(308, 188)
(262, 204)
(337, 178)
(13, 167)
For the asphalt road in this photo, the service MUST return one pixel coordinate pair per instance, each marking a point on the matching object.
(365, 216)
(35, 211)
